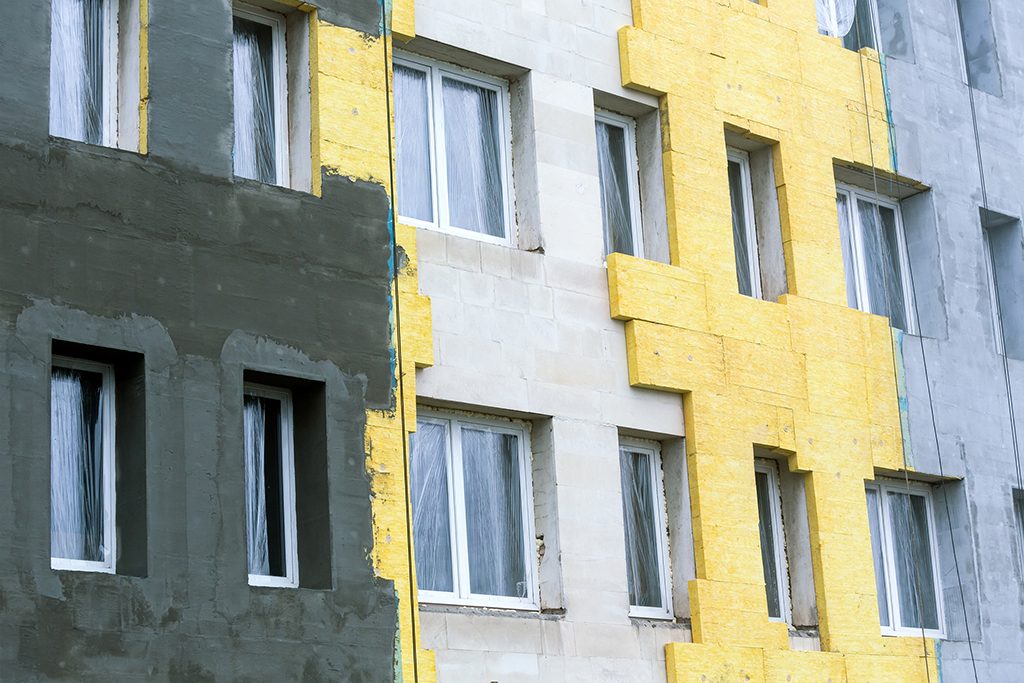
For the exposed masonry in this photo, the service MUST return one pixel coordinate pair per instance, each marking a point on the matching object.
(168, 256)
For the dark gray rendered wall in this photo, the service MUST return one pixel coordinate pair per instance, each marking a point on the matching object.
(935, 144)
(207, 276)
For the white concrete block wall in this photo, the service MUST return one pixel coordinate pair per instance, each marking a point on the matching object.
(525, 330)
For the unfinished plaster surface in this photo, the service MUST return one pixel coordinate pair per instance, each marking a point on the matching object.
(965, 404)
(206, 276)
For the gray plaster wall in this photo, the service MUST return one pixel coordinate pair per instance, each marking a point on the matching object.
(963, 402)
(206, 277)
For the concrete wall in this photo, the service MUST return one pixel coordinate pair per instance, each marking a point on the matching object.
(968, 393)
(168, 256)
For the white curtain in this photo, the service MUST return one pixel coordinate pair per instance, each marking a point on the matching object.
(835, 17)
(254, 418)
(431, 525)
(739, 229)
(76, 69)
(473, 154)
(494, 513)
(615, 201)
(882, 262)
(875, 525)
(76, 466)
(643, 571)
(255, 146)
(412, 138)
(915, 578)
(766, 529)
(846, 242)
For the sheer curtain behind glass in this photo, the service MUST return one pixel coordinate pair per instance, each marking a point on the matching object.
(740, 221)
(473, 154)
(412, 138)
(766, 526)
(835, 17)
(255, 147)
(640, 518)
(255, 422)
(494, 513)
(430, 519)
(77, 55)
(882, 262)
(846, 242)
(915, 576)
(875, 523)
(76, 466)
(613, 169)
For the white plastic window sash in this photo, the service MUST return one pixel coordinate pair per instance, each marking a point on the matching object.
(742, 158)
(436, 71)
(864, 303)
(661, 524)
(462, 595)
(291, 577)
(108, 418)
(993, 293)
(632, 170)
(883, 488)
(277, 24)
(771, 469)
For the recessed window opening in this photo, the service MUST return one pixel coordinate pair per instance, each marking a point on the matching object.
(644, 518)
(82, 506)
(472, 512)
(905, 558)
(773, 539)
(1004, 260)
(453, 140)
(744, 232)
(619, 173)
(856, 22)
(94, 71)
(269, 487)
(1018, 518)
(875, 256)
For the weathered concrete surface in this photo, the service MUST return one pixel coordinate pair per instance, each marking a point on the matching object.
(169, 256)
(936, 144)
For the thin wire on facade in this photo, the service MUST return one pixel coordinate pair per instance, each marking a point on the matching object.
(399, 368)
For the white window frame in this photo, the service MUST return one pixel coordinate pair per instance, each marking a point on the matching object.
(278, 25)
(661, 510)
(109, 468)
(628, 125)
(462, 594)
(853, 194)
(771, 469)
(291, 577)
(832, 28)
(883, 487)
(435, 71)
(742, 158)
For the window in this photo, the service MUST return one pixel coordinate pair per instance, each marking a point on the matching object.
(82, 507)
(978, 43)
(855, 21)
(452, 132)
(269, 487)
(1001, 235)
(472, 512)
(773, 539)
(619, 174)
(875, 255)
(1018, 516)
(906, 560)
(744, 233)
(94, 71)
(643, 513)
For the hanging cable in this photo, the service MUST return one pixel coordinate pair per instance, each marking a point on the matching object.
(924, 360)
(385, 33)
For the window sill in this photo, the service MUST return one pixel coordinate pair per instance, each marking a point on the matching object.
(62, 565)
(912, 633)
(456, 232)
(493, 611)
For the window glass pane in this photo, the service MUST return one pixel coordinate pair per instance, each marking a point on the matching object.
(264, 487)
(494, 513)
(740, 236)
(643, 572)
(875, 523)
(77, 516)
(255, 148)
(769, 552)
(412, 138)
(473, 152)
(861, 32)
(846, 242)
(915, 577)
(431, 525)
(613, 168)
(882, 262)
(77, 56)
